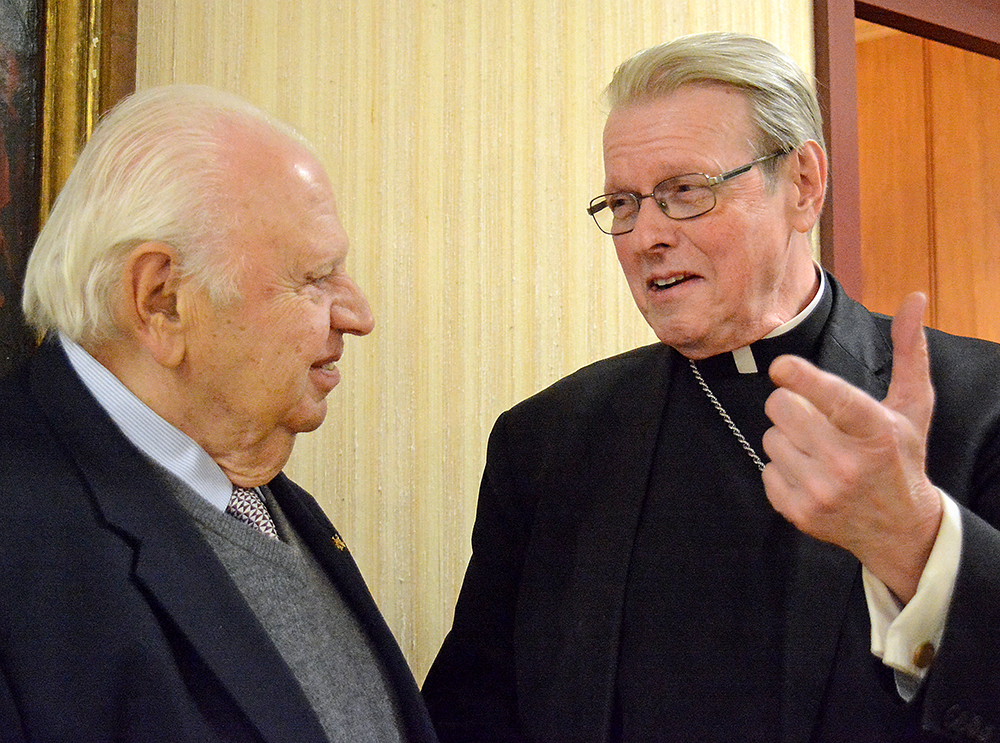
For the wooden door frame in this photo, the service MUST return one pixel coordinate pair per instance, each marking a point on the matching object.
(967, 24)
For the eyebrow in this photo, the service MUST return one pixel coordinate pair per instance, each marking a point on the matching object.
(674, 173)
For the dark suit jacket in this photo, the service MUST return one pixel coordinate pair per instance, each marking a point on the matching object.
(533, 651)
(117, 621)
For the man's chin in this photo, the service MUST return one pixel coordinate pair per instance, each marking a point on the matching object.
(310, 419)
(690, 345)
(676, 335)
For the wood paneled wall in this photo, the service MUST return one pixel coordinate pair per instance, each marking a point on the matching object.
(463, 139)
(930, 159)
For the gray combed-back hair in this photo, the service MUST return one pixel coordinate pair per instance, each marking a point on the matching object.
(782, 99)
(154, 169)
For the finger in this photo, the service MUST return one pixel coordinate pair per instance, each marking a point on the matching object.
(910, 390)
(787, 455)
(780, 493)
(846, 407)
(797, 419)
(784, 484)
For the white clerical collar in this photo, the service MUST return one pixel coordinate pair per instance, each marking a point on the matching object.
(744, 358)
(165, 444)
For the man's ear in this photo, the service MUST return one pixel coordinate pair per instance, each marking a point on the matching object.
(152, 307)
(808, 171)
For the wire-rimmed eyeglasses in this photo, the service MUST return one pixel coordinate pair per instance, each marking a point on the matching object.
(680, 197)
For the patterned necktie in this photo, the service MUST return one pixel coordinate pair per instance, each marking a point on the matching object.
(248, 507)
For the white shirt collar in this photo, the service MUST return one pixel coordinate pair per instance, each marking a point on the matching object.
(743, 357)
(165, 444)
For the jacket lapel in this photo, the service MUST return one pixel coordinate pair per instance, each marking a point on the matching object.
(854, 348)
(173, 565)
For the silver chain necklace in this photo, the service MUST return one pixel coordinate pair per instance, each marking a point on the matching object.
(725, 416)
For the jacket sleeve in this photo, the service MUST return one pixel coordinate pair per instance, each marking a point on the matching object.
(470, 689)
(11, 726)
(961, 695)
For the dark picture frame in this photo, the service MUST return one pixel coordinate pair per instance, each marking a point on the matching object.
(63, 63)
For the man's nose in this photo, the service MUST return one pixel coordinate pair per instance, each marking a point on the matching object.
(352, 314)
(653, 228)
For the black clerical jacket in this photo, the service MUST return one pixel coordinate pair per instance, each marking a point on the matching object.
(117, 621)
(533, 652)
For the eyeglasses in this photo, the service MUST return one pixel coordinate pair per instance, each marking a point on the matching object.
(680, 197)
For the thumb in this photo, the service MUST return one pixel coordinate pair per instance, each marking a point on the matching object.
(910, 391)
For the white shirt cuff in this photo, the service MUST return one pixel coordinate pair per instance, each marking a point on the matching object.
(906, 638)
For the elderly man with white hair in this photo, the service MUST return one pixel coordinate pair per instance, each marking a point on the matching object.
(162, 579)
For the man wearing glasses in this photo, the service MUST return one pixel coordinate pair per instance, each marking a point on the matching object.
(726, 536)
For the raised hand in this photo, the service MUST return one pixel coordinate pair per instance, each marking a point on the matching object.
(850, 470)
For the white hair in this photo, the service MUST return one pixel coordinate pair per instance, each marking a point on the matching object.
(154, 170)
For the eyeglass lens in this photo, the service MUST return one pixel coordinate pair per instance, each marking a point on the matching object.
(685, 196)
(680, 197)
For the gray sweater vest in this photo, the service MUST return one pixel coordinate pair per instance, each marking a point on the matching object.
(312, 628)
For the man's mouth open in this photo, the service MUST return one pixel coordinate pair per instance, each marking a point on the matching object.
(662, 284)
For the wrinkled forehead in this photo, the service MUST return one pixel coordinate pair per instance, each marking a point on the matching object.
(697, 105)
(696, 128)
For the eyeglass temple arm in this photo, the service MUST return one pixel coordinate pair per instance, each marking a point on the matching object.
(716, 180)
